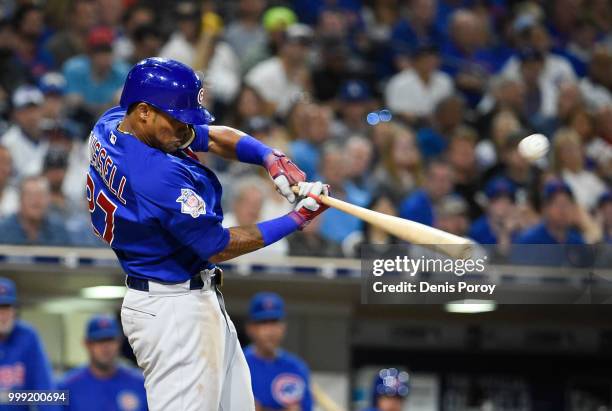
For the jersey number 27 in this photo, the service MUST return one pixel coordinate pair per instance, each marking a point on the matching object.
(105, 205)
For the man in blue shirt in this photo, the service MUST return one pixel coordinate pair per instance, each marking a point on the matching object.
(281, 380)
(104, 385)
(557, 229)
(419, 206)
(23, 362)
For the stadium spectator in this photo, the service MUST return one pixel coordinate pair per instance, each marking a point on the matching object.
(24, 364)
(596, 87)
(147, 41)
(314, 126)
(54, 171)
(354, 102)
(9, 198)
(334, 68)
(335, 225)
(400, 169)
(419, 26)
(282, 79)
(438, 183)
(599, 148)
(462, 157)
(505, 94)
(72, 40)
(451, 215)
(248, 208)
(559, 216)
(414, 92)
(24, 139)
(245, 34)
(93, 79)
(359, 150)
(32, 224)
(53, 86)
(448, 115)
(569, 163)
(465, 56)
(136, 17)
(30, 35)
(280, 379)
(309, 242)
(500, 223)
(503, 124)
(103, 384)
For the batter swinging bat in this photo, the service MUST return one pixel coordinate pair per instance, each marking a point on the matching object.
(411, 231)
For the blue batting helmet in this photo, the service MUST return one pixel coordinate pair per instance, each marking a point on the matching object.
(390, 382)
(169, 86)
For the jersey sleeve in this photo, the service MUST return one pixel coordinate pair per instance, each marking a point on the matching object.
(200, 142)
(171, 198)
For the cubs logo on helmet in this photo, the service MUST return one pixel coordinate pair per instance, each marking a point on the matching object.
(128, 401)
(288, 389)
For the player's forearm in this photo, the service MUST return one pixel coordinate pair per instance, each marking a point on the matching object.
(232, 144)
(243, 240)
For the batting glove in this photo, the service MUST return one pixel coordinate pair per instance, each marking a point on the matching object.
(285, 173)
(309, 206)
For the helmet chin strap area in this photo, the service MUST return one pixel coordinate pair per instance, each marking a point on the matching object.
(190, 139)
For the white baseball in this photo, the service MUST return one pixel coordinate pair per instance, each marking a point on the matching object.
(534, 147)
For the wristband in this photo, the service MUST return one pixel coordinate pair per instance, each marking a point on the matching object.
(252, 151)
(274, 230)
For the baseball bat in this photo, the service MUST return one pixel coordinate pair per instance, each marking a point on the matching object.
(323, 400)
(407, 230)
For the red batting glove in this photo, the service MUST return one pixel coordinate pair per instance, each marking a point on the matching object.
(284, 172)
(310, 206)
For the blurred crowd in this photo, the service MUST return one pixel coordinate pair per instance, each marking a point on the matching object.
(412, 108)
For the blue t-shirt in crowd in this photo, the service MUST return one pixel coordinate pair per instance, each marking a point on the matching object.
(124, 391)
(307, 157)
(52, 232)
(431, 143)
(537, 246)
(336, 225)
(418, 207)
(280, 382)
(80, 80)
(24, 365)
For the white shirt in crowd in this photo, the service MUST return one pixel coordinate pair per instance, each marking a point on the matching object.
(9, 201)
(223, 73)
(595, 95)
(270, 80)
(407, 93)
(557, 69)
(28, 155)
(586, 186)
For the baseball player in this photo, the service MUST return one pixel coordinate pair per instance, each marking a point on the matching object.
(114, 387)
(23, 363)
(281, 381)
(160, 211)
(389, 391)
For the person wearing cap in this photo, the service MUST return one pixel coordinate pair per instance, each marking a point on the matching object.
(415, 91)
(32, 224)
(103, 384)
(24, 139)
(390, 390)
(281, 380)
(53, 86)
(559, 213)
(355, 101)
(94, 78)
(23, 362)
(500, 222)
(282, 79)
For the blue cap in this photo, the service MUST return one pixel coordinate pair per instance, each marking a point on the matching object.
(52, 83)
(102, 327)
(500, 186)
(390, 382)
(8, 292)
(554, 187)
(355, 91)
(266, 306)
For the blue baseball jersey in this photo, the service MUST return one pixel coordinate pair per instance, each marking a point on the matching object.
(24, 365)
(161, 213)
(280, 382)
(124, 391)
